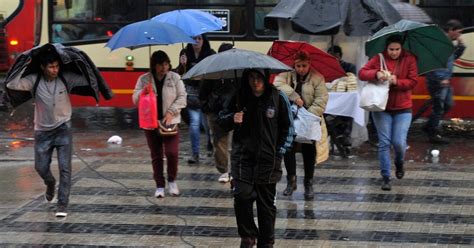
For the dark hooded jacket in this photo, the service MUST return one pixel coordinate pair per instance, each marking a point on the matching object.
(259, 142)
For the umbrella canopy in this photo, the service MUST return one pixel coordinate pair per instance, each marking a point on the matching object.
(428, 42)
(148, 32)
(71, 59)
(412, 12)
(231, 63)
(321, 61)
(357, 17)
(193, 22)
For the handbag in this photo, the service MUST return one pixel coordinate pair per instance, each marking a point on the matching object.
(147, 109)
(168, 130)
(374, 96)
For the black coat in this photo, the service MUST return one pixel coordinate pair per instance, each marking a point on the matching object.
(71, 59)
(258, 144)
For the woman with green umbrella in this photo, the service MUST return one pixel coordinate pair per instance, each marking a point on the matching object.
(393, 123)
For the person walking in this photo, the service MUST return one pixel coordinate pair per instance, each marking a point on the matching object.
(52, 123)
(194, 54)
(393, 123)
(439, 85)
(213, 94)
(306, 88)
(171, 98)
(260, 118)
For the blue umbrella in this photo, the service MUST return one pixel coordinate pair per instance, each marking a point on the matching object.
(193, 22)
(145, 33)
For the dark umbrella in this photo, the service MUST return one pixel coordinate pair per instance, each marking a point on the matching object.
(323, 62)
(231, 64)
(357, 17)
(71, 59)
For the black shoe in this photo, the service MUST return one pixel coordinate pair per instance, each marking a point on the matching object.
(438, 139)
(290, 186)
(61, 211)
(399, 171)
(50, 188)
(194, 159)
(386, 184)
(308, 189)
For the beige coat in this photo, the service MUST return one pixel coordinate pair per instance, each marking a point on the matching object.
(173, 93)
(315, 97)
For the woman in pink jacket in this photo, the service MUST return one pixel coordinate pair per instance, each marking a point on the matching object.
(393, 123)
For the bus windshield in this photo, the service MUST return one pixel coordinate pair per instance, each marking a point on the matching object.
(7, 9)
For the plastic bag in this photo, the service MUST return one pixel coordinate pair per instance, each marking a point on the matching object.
(307, 126)
(374, 96)
(148, 108)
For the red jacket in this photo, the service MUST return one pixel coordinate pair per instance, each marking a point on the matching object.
(399, 97)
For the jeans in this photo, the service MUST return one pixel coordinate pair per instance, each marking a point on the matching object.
(60, 139)
(245, 195)
(220, 139)
(156, 143)
(392, 130)
(197, 118)
(442, 101)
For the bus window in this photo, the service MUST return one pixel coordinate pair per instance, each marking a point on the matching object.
(262, 8)
(82, 20)
(197, 2)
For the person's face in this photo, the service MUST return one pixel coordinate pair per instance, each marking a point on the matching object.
(394, 50)
(51, 70)
(183, 59)
(199, 42)
(162, 69)
(454, 34)
(256, 83)
(302, 67)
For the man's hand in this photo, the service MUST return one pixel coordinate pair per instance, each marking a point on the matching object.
(299, 102)
(239, 117)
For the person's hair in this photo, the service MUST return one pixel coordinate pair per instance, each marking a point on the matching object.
(244, 84)
(394, 39)
(158, 57)
(181, 69)
(224, 47)
(453, 24)
(335, 49)
(49, 57)
(301, 56)
(206, 47)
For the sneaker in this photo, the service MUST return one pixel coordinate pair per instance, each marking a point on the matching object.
(438, 139)
(49, 194)
(160, 192)
(194, 159)
(224, 178)
(61, 211)
(174, 191)
(386, 184)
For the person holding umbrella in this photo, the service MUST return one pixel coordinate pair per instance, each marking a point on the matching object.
(393, 123)
(171, 98)
(50, 88)
(259, 116)
(439, 86)
(306, 88)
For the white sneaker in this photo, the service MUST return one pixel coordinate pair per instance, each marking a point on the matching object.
(160, 192)
(224, 178)
(174, 191)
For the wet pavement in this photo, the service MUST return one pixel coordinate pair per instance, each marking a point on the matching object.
(112, 203)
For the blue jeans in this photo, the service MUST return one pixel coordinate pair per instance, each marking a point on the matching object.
(392, 130)
(442, 101)
(197, 118)
(60, 139)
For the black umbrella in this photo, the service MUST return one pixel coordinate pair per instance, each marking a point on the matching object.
(71, 59)
(357, 17)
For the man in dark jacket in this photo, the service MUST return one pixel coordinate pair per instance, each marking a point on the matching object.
(439, 85)
(263, 132)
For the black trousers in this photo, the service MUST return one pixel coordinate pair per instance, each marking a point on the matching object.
(245, 195)
(309, 159)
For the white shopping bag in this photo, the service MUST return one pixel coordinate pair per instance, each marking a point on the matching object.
(307, 126)
(374, 96)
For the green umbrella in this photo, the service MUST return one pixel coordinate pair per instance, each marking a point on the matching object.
(427, 42)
